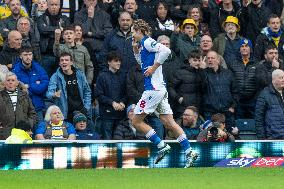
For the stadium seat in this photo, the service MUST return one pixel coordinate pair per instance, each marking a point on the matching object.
(246, 129)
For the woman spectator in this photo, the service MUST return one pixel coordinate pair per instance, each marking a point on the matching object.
(163, 24)
(80, 40)
(195, 13)
(54, 126)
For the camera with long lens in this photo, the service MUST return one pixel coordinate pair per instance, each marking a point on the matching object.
(214, 132)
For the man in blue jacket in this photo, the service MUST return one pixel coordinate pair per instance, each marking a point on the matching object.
(69, 89)
(34, 77)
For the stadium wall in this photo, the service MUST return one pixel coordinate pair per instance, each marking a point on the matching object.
(134, 154)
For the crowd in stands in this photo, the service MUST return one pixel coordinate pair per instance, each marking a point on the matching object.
(68, 70)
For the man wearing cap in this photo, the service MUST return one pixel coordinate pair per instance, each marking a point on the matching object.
(83, 131)
(185, 41)
(227, 44)
(219, 15)
(243, 69)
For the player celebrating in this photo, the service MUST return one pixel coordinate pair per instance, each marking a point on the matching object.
(151, 55)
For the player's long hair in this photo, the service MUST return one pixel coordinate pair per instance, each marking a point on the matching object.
(140, 24)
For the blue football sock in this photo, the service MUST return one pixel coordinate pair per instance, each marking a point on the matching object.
(184, 143)
(155, 139)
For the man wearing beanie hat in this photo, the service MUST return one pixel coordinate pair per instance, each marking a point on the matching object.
(227, 44)
(83, 132)
(243, 69)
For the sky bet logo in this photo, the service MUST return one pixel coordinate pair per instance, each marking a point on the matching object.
(251, 162)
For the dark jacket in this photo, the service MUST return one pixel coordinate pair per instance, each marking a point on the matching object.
(252, 19)
(218, 16)
(185, 83)
(95, 28)
(244, 76)
(263, 74)
(87, 134)
(118, 41)
(146, 9)
(263, 40)
(134, 85)
(111, 87)
(172, 64)
(269, 114)
(180, 14)
(182, 45)
(9, 118)
(156, 31)
(46, 30)
(8, 55)
(219, 90)
(123, 131)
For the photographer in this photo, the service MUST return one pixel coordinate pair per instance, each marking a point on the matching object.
(216, 132)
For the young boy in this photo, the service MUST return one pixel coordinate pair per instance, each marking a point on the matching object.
(20, 134)
(151, 55)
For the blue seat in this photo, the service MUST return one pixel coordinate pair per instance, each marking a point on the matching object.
(246, 129)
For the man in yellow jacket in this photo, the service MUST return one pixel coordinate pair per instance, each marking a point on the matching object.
(20, 134)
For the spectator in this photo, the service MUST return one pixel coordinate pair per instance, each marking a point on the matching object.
(276, 6)
(10, 52)
(180, 8)
(69, 89)
(80, 41)
(120, 40)
(162, 24)
(131, 7)
(54, 127)
(70, 7)
(217, 131)
(125, 129)
(34, 77)
(30, 38)
(47, 24)
(5, 10)
(269, 109)
(265, 68)
(206, 45)
(219, 90)
(83, 131)
(253, 18)
(272, 34)
(146, 9)
(220, 14)
(189, 122)
(185, 86)
(78, 52)
(38, 8)
(244, 73)
(194, 12)
(172, 63)
(95, 22)
(227, 44)
(183, 43)
(21, 134)
(111, 94)
(15, 106)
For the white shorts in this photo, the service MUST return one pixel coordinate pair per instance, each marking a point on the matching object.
(153, 101)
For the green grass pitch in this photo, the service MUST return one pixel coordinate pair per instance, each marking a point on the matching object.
(195, 178)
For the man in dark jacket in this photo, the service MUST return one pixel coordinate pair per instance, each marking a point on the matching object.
(120, 40)
(10, 52)
(269, 109)
(273, 34)
(185, 86)
(219, 90)
(265, 68)
(34, 77)
(253, 18)
(95, 23)
(111, 94)
(125, 129)
(15, 106)
(47, 24)
(244, 74)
